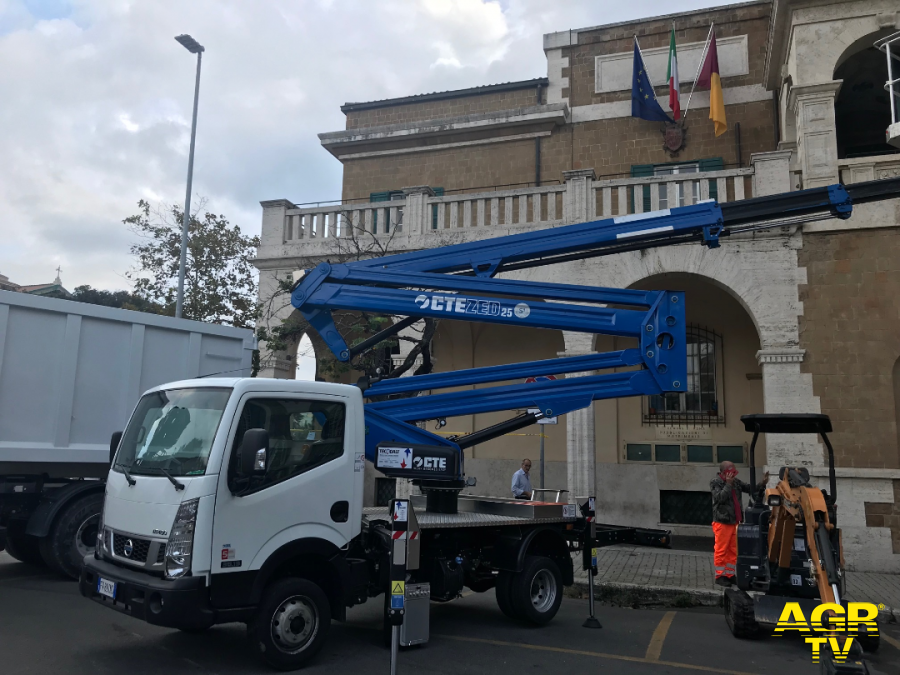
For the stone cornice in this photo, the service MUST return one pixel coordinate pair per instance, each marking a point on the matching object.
(538, 117)
(780, 355)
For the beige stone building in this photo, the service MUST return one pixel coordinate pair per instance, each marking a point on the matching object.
(798, 319)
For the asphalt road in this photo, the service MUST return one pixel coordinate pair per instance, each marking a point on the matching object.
(47, 627)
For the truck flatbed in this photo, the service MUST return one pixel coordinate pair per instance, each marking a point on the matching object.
(483, 512)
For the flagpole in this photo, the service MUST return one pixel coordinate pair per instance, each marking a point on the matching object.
(699, 68)
(645, 65)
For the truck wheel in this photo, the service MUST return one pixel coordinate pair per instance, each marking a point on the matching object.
(504, 580)
(73, 536)
(536, 591)
(291, 623)
(740, 614)
(23, 547)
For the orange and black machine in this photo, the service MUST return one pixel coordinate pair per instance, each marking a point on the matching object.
(789, 545)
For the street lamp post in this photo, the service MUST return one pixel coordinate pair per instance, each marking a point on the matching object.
(193, 47)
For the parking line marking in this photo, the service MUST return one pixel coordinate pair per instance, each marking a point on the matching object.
(891, 641)
(654, 649)
(600, 655)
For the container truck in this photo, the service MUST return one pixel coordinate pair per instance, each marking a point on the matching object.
(70, 375)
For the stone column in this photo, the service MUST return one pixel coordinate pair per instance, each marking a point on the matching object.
(578, 205)
(273, 222)
(282, 364)
(416, 214)
(787, 390)
(771, 172)
(813, 106)
(581, 459)
(271, 247)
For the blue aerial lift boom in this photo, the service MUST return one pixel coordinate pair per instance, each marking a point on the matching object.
(460, 282)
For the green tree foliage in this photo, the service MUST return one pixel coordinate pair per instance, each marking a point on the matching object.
(118, 299)
(220, 282)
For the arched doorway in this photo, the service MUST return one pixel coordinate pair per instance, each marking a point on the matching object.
(671, 445)
(862, 109)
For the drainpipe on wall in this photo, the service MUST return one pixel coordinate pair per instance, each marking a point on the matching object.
(537, 149)
(737, 143)
(775, 114)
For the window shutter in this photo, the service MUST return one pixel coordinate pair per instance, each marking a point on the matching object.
(438, 192)
(712, 164)
(378, 197)
(642, 171)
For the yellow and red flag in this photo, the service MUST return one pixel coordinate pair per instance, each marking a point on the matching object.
(709, 77)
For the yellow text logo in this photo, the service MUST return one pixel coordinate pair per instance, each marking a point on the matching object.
(826, 618)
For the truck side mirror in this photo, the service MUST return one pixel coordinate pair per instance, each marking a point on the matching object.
(254, 451)
(114, 445)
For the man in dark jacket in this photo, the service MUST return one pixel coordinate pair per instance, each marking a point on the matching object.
(727, 513)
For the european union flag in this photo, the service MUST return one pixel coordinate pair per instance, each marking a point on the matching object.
(643, 98)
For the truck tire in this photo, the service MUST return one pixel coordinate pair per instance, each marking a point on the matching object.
(536, 592)
(504, 580)
(23, 547)
(72, 536)
(740, 615)
(291, 623)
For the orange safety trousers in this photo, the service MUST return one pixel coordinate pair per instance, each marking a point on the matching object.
(725, 556)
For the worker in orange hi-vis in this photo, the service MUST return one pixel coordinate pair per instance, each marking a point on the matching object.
(727, 513)
(709, 77)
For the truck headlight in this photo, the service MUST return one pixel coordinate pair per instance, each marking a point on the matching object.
(181, 540)
(101, 538)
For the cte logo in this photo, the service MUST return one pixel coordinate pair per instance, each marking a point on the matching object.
(430, 463)
(826, 618)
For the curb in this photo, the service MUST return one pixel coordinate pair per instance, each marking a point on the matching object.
(636, 595)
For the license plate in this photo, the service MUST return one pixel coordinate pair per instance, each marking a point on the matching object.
(106, 587)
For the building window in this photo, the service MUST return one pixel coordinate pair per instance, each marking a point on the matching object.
(685, 453)
(639, 452)
(702, 454)
(386, 196)
(683, 507)
(702, 403)
(391, 195)
(683, 190)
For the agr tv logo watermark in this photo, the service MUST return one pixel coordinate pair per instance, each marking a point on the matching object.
(830, 617)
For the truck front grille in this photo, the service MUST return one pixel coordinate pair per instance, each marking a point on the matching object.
(137, 547)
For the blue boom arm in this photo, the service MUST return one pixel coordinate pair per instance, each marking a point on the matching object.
(458, 282)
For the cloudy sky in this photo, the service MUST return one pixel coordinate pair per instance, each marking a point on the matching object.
(95, 103)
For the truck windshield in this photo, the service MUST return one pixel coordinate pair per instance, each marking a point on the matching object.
(172, 431)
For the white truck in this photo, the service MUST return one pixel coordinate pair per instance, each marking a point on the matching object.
(70, 375)
(240, 500)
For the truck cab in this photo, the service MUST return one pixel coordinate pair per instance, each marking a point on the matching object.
(222, 494)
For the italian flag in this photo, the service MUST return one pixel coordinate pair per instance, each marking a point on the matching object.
(674, 101)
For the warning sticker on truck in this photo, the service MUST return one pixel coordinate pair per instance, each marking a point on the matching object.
(393, 458)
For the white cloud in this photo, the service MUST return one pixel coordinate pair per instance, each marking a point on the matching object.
(97, 102)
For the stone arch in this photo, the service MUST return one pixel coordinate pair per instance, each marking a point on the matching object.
(860, 44)
(822, 47)
(761, 275)
(862, 108)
